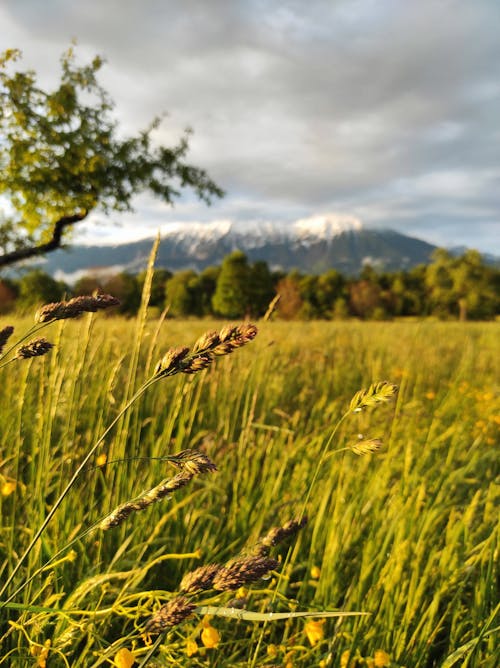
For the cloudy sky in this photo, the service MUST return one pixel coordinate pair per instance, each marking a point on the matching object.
(386, 110)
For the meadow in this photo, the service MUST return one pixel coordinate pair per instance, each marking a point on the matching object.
(407, 533)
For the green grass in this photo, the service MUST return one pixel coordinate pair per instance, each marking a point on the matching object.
(408, 534)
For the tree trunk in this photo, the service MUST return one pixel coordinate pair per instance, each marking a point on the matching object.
(51, 245)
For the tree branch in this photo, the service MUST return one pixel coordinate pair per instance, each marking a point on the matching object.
(53, 243)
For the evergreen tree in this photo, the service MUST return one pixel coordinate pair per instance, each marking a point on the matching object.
(87, 284)
(181, 293)
(207, 283)
(36, 288)
(124, 287)
(231, 297)
(330, 287)
(260, 289)
(158, 286)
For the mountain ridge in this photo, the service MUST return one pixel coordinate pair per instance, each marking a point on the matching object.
(312, 245)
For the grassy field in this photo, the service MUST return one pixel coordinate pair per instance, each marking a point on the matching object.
(408, 533)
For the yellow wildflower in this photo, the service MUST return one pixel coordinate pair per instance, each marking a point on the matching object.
(41, 652)
(430, 395)
(381, 659)
(210, 637)
(272, 651)
(314, 631)
(315, 572)
(345, 659)
(191, 647)
(8, 487)
(124, 658)
(102, 459)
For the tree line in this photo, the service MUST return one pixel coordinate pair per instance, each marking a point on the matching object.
(449, 287)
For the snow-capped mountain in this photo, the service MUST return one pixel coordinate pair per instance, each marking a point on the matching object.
(311, 245)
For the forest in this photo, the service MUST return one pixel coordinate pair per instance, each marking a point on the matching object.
(450, 287)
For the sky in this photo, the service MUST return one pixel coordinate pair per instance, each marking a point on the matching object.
(385, 110)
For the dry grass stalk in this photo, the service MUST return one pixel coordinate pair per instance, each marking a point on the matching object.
(366, 445)
(34, 348)
(5, 334)
(191, 462)
(75, 307)
(271, 308)
(205, 349)
(172, 613)
(377, 393)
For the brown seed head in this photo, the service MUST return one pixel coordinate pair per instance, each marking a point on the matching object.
(5, 334)
(166, 487)
(170, 361)
(234, 337)
(34, 348)
(172, 613)
(243, 571)
(247, 332)
(75, 307)
(227, 333)
(200, 579)
(193, 461)
(197, 363)
(278, 534)
(206, 342)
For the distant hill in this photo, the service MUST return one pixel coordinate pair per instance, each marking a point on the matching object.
(312, 246)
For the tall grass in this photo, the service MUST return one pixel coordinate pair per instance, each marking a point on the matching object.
(408, 533)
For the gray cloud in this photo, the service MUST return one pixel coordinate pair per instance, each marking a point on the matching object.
(384, 109)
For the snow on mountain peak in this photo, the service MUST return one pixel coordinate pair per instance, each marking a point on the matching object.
(326, 226)
(214, 229)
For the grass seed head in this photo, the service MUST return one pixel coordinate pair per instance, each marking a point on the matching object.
(190, 463)
(243, 571)
(197, 363)
(172, 613)
(75, 307)
(34, 348)
(166, 487)
(205, 349)
(206, 342)
(278, 534)
(5, 334)
(170, 361)
(366, 445)
(200, 579)
(193, 461)
(377, 393)
(227, 333)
